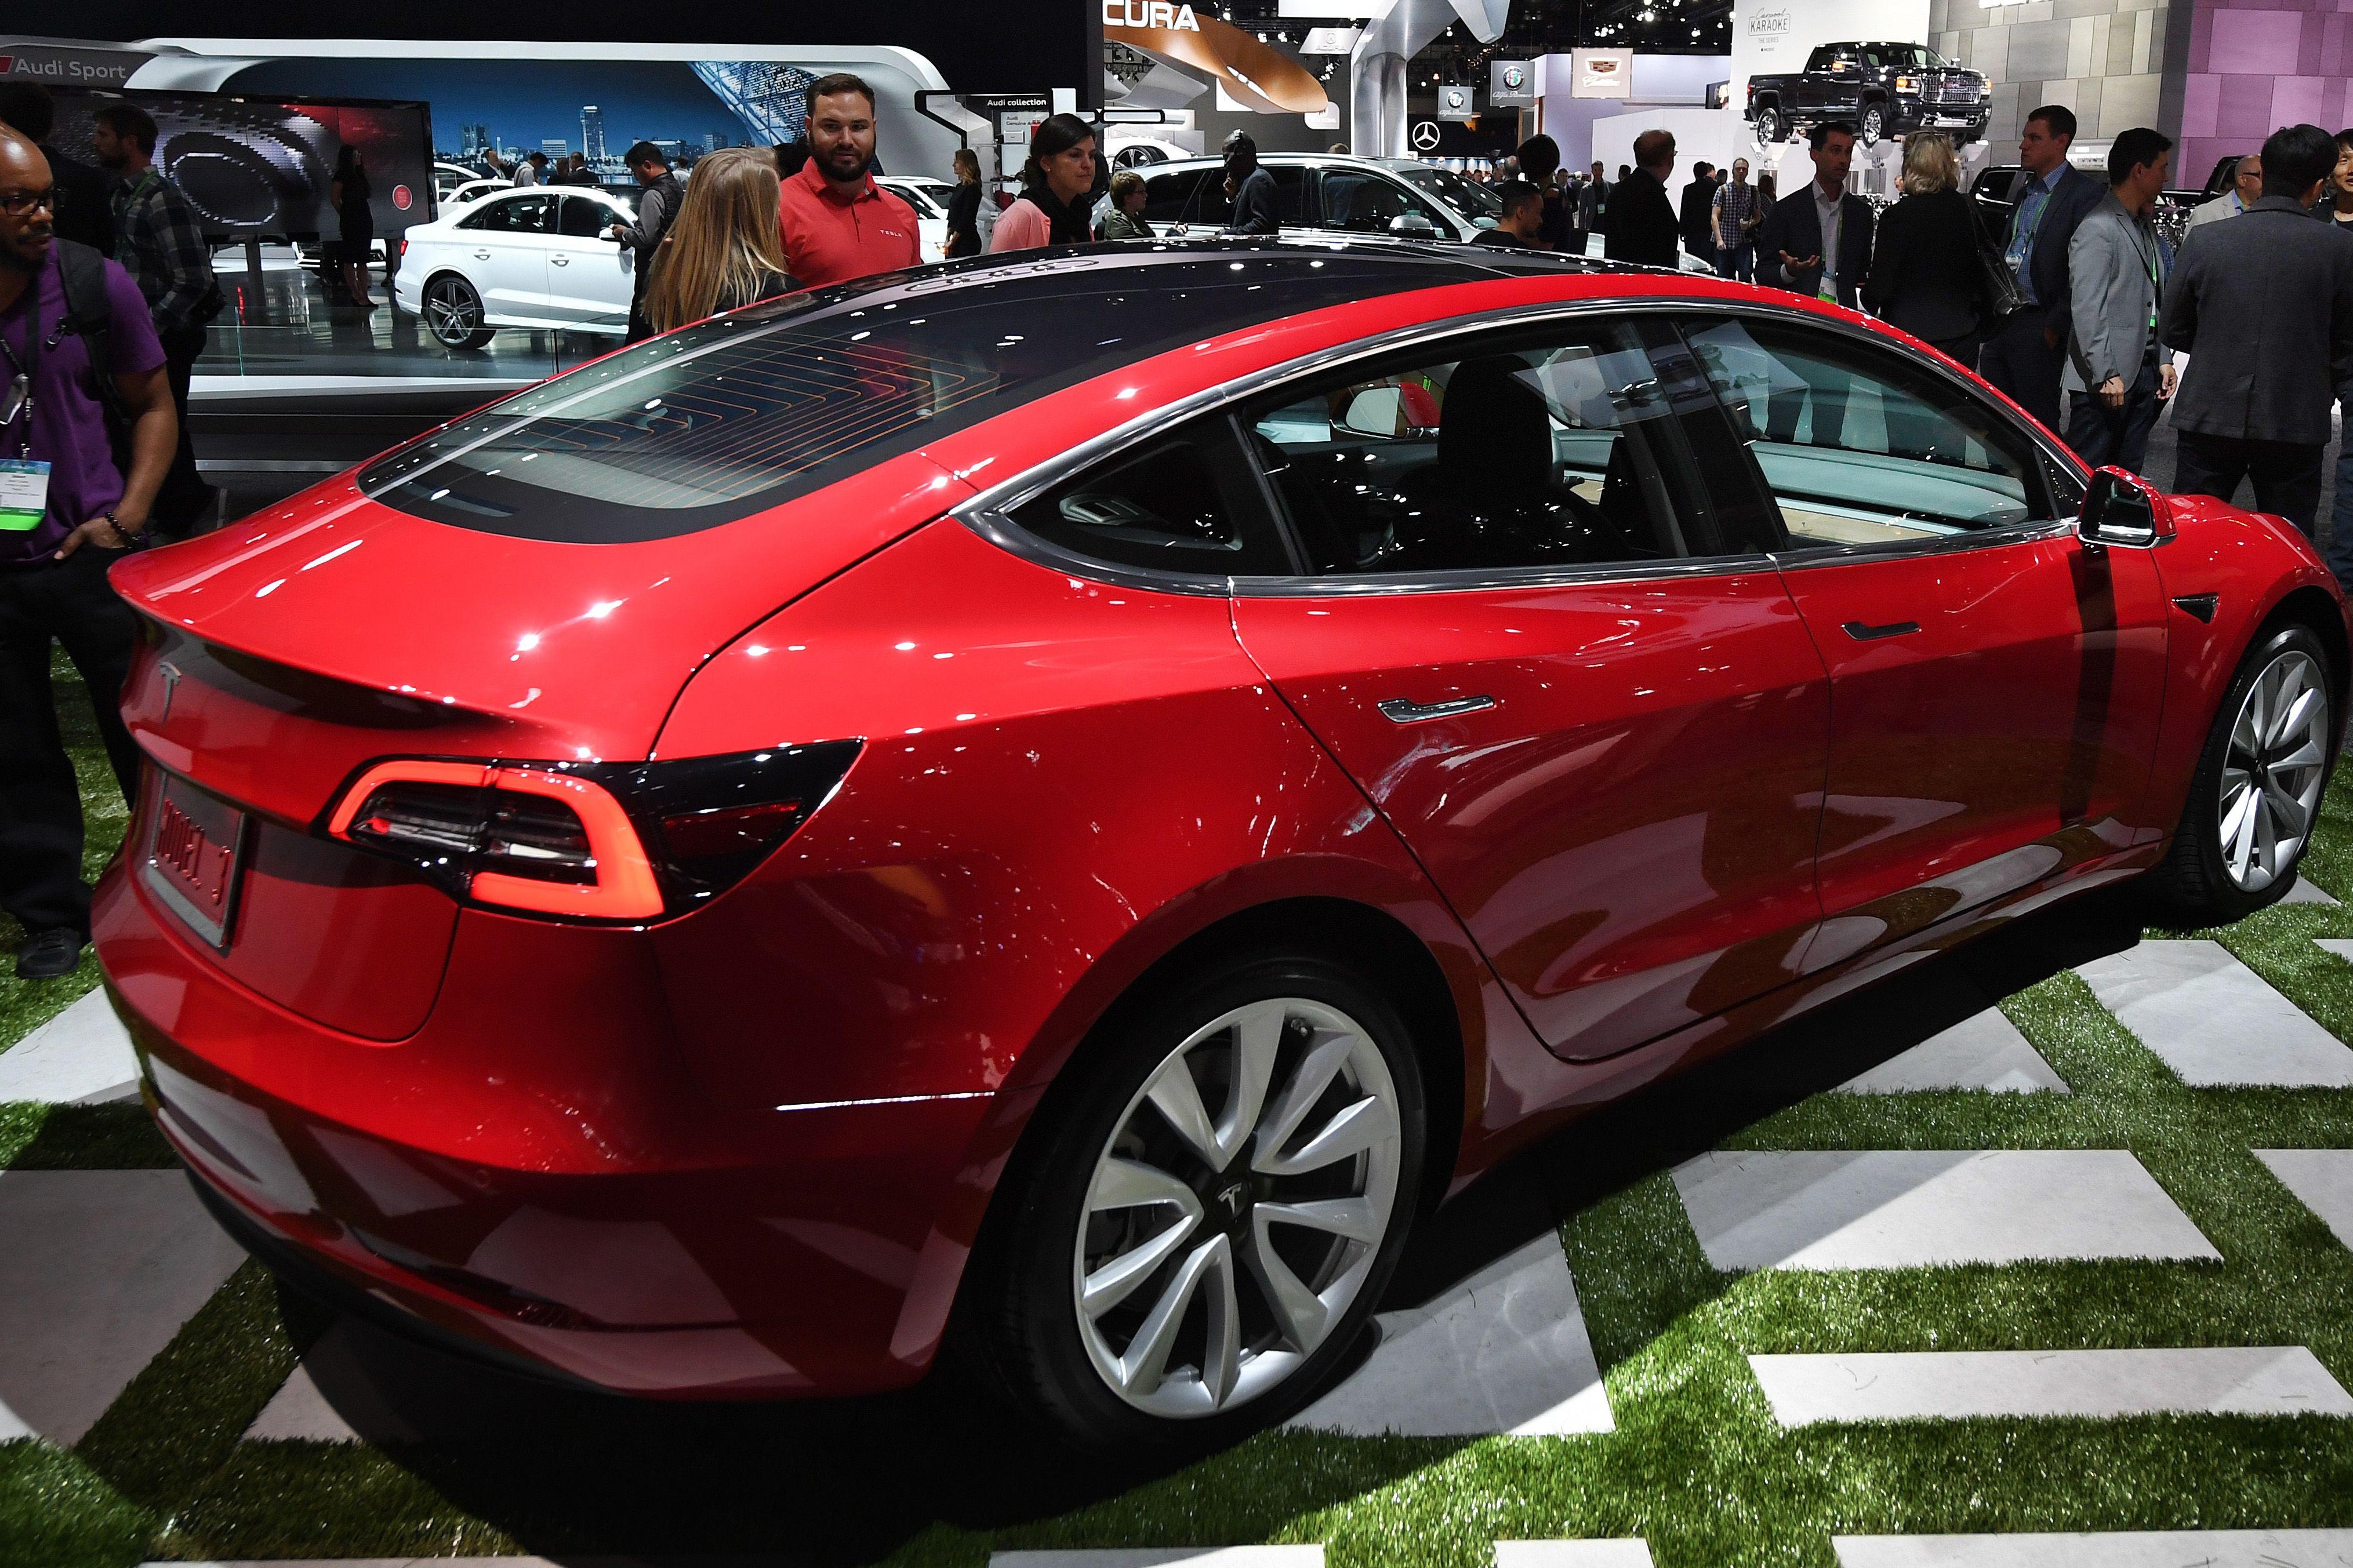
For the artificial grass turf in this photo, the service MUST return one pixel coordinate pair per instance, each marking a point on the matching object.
(1696, 1465)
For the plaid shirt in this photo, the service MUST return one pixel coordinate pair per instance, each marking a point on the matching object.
(158, 242)
(1736, 204)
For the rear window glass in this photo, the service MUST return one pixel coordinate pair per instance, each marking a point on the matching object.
(747, 411)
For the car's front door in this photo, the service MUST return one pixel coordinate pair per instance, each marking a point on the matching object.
(588, 275)
(504, 247)
(1995, 686)
(1577, 690)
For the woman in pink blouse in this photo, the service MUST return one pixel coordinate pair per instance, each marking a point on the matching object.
(1057, 186)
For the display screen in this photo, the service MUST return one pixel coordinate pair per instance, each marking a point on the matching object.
(253, 165)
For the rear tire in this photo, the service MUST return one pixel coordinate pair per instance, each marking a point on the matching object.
(2256, 795)
(453, 313)
(1770, 127)
(1144, 1289)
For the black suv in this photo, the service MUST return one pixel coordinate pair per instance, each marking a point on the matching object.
(1880, 90)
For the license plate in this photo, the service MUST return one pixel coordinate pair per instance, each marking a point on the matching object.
(195, 847)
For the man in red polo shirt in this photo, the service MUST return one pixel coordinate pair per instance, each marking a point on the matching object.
(837, 224)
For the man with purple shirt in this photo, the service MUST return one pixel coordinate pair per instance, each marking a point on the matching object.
(67, 511)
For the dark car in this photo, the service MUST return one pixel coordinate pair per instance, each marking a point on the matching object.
(1882, 89)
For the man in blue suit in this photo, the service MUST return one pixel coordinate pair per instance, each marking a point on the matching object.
(1817, 241)
(2029, 355)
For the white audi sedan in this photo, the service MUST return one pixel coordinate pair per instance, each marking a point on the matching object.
(538, 257)
(929, 197)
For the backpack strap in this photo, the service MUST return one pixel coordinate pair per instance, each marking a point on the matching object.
(90, 315)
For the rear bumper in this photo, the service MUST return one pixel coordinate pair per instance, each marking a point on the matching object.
(534, 1176)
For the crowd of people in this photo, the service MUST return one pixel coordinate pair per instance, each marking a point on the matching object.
(2074, 305)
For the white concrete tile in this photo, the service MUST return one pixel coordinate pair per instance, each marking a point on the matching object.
(1984, 1052)
(2122, 1549)
(1627, 1552)
(2214, 1021)
(1505, 1350)
(2307, 893)
(101, 1269)
(1953, 1385)
(2322, 1180)
(2338, 945)
(80, 1054)
(1152, 1557)
(298, 1412)
(1923, 1208)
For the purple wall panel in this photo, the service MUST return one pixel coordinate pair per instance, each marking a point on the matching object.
(2256, 65)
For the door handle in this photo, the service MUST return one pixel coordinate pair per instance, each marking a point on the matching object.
(559, 262)
(1861, 633)
(1403, 710)
(481, 256)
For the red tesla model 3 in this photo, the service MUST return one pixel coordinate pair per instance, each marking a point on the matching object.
(1055, 805)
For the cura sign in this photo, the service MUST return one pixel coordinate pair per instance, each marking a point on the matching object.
(1160, 14)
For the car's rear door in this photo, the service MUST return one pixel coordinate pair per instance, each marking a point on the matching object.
(504, 248)
(1995, 686)
(1575, 686)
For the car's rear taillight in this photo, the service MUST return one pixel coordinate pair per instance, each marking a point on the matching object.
(626, 841)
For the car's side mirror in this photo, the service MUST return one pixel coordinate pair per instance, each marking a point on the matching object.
(2122, 508)
(1412, 223)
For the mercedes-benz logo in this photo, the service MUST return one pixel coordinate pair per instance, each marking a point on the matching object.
(1425, 135)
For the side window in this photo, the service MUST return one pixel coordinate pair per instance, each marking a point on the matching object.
(1859, 447)
(582, 218)
(1367, 203)
(1554, 450)
(1190, 196)
(1289, 182)
(1185, 503)
(514, 215)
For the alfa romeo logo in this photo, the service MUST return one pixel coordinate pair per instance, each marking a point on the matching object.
(1456, 98)
(1425, 134)
(1513, 77)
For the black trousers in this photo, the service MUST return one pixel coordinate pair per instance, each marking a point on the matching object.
(2118, 437)
(184, 500)
(2018, 363)
(40, 801)
(2286, 474)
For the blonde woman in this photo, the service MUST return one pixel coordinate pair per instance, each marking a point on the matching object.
(1926, 276)
(723, 250)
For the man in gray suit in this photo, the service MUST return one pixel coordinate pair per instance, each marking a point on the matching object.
(2263, 307)
(2246, 190)
(2116, 266)
(2025, 358)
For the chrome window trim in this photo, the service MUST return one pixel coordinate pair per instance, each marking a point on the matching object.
(987, 514)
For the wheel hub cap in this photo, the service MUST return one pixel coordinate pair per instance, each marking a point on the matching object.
(1219, 1245)
(2272, 771)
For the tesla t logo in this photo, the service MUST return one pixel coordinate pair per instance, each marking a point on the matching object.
(1231, 1199)
(1160, 14)
(169, 673)
(1425, 134)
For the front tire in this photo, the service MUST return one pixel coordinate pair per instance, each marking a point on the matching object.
(2256, 796)
(1874, 124)
(1210, 1216)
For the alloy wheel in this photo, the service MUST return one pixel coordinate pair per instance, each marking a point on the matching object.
(1238, 1208)
(1768, 127)
(1874, 120)
(2272, 769)
(452, 310)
